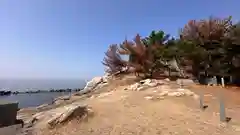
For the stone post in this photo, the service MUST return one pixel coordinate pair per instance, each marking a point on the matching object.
(222, 80)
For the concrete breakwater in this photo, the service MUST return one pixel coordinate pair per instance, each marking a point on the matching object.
(8, 93)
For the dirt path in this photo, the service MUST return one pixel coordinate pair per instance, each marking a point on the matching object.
(128, 112)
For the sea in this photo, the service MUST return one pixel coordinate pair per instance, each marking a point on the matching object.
(36, 99)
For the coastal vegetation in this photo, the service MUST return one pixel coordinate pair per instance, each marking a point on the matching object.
(204, 49)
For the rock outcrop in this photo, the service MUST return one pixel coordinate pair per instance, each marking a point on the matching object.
(94, 84)
(53, 117)
(162, 88)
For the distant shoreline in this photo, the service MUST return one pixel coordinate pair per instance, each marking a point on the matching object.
(8, 93)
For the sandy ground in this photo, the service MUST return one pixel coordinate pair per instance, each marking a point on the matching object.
(125, 112)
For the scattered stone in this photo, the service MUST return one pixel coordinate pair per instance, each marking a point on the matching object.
(160, 98)
(165, 90)
(148, 97)
(134, 86)
(142, 88)
(146, 81)
(167, 79)
(152, 84)
(180, 89)
(186, 91)
(164, 93)
(149, 82)
(175, 94)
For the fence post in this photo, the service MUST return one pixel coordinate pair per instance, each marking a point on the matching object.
(201, 101)
(222, 109)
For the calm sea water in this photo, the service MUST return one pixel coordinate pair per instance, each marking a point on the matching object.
(35, 99)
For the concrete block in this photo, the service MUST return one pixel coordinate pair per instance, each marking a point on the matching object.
(8, 113)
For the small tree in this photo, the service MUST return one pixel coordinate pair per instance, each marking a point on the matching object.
(113, 61)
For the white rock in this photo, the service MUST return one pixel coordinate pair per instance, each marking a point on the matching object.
(146, 81)
(180, 94)
(167, 79)
(175, 94)
(160, 97)
(152, 84)
(180, 89)
(186, 91)
(163, 93)
(140, 88)
(172, 94)
(148, 97)
(134, 86)
(93, 83)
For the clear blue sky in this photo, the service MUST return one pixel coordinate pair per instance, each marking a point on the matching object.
(68, 38)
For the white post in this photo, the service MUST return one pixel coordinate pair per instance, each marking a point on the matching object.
(222, 80)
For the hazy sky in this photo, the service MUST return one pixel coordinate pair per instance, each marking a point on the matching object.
(68, 38)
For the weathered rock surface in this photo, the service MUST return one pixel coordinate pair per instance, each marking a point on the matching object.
(59, 115)
(93, 83)
(163, 88)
